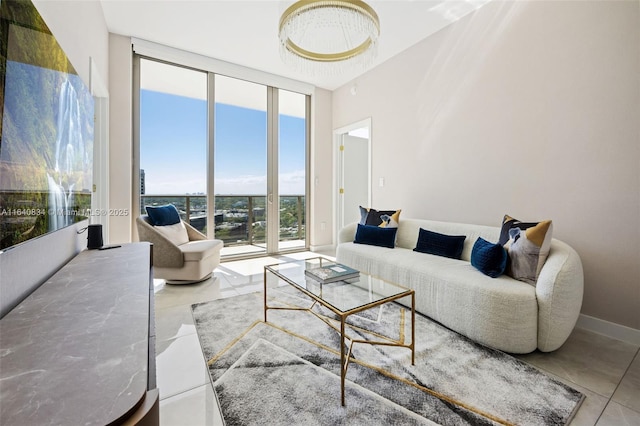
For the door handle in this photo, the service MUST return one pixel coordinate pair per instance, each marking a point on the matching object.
(270, 198)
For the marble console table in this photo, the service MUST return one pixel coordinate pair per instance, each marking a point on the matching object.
(81, 348)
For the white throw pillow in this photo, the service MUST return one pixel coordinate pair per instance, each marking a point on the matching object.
(176, 233)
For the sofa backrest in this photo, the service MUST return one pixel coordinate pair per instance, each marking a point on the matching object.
(408, 231)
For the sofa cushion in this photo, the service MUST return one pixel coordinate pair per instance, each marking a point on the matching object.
(176, 233)
(489, 258)
(527, 245)
(376, 236)
(439, 244)
(195, 251)
(410, 228)
(163, 215)
(381, 218)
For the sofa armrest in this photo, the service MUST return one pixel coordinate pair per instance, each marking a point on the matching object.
(348, 233)
(559, 291)
(165, 253)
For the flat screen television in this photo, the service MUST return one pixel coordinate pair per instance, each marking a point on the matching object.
(46, 130)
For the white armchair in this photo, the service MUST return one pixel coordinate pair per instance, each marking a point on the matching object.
(176, 259)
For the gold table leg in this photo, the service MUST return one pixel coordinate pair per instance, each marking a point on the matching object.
(265, 294)
(343, 370)
(413, 328)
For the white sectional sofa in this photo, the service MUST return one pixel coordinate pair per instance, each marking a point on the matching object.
(502, 313)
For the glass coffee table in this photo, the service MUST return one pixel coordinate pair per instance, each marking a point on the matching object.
(343, 298)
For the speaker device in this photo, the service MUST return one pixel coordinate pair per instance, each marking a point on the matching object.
(94, 237)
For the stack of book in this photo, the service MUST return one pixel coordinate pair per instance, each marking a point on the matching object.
(332, 273)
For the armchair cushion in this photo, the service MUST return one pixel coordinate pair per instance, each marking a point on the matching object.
(195, 251)
(176, 233)
(163, 215)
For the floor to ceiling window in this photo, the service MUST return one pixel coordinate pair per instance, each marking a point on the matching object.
(292, 176)
(225, 149)
(173, 139)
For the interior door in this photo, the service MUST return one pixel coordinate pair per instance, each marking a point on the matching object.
(355, 183)
(353, 172)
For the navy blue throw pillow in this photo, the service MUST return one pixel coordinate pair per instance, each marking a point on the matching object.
(163, 215)
(440, 244)
(489, 258)
(376, 236)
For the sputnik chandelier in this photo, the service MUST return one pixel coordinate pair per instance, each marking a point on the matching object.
(325, 37)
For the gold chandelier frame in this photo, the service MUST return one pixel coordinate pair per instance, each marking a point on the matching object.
(304, 6)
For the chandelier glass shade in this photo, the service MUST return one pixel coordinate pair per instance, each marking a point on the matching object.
(324, 37)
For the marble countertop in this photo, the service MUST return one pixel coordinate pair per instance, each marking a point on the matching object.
(76, 350)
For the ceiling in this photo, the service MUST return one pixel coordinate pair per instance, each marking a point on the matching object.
(246, 32)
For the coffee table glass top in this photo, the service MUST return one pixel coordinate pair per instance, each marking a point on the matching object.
(341, 295)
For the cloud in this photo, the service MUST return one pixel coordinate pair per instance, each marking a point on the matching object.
(291, 183)
(156, 183)
(241, 185)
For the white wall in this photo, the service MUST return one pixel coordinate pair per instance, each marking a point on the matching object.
(120, 138)
(81, 31)
(321, 171)
(526, 108)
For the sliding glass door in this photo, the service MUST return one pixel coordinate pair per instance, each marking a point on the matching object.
(240, 170)
(232, 155)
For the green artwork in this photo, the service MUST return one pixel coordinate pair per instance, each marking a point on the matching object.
(46, 130)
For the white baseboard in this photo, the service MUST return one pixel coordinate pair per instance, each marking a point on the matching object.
(609, 329)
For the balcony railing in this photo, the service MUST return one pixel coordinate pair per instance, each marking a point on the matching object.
(239, 219)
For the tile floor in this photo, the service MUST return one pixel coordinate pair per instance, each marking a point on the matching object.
(606, 370)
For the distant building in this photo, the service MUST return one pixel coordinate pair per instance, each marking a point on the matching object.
(142, 189)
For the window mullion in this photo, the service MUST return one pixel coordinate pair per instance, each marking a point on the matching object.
(211, 102)
(273, 194)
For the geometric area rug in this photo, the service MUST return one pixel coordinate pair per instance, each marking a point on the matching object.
(287, 371)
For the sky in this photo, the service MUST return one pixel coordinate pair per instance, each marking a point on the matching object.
(173, 138)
